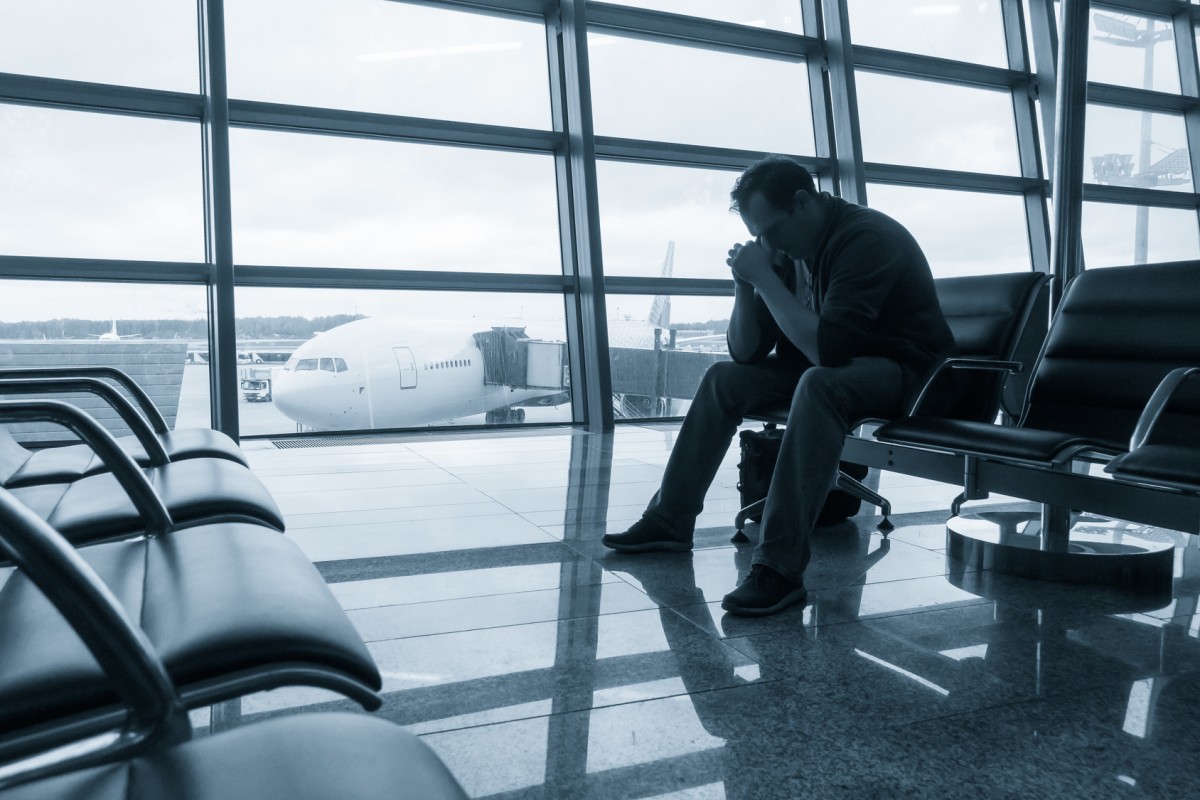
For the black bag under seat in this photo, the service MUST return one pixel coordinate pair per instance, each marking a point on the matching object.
(759, 452)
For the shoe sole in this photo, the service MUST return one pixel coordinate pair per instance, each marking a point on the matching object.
(789, 600)
(648, 547)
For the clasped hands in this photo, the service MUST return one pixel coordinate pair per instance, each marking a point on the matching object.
(751, 262)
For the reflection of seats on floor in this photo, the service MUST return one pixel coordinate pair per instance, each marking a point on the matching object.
(140, 749)
(152, 440)
(998, 322)
(96, 507)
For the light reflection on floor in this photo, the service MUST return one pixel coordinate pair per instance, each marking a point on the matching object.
(539, 664)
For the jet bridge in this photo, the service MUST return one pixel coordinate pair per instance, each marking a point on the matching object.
(511, 358)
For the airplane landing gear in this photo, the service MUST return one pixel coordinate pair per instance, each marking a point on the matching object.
(501, 416)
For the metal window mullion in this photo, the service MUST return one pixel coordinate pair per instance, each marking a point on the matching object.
(1137, 196)
(820, 100)
(99, 98)
(849, 177)
(697, 32)
(1067, 180)
(614, 148)
(48, 268)
(1043, 30)
(580, 228)
(218, 218)
(1037, 220)
(1189, 85)
(937, 69)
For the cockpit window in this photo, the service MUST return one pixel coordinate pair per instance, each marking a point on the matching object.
(340, 365)
(327, 364)
(306, 365)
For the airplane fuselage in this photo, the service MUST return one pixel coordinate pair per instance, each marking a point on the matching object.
(382, 373)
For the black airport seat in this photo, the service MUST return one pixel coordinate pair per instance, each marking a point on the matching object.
(1116, 335)
(230, 608)
(152, 439)
(1153, 458)
(94, 508)
(142, 749)
(998, 321)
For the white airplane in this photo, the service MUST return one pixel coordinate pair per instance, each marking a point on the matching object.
(113, 336)
(387, 373)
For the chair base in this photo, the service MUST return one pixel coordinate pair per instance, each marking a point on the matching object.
(1095, 551)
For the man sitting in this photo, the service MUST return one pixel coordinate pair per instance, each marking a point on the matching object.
(835, 311)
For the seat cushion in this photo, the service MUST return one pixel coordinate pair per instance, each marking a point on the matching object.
(988, 441)
(71, 462)
(1176, 466)
(302, 757)
(212, 601)
(195, 491)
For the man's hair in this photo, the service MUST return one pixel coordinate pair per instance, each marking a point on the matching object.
(777, 179)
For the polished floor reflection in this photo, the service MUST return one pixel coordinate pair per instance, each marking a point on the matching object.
(539, 664)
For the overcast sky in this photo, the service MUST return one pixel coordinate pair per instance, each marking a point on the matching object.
(104, 186)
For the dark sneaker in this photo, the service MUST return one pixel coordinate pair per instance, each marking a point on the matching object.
(763, 592)
(646, 536)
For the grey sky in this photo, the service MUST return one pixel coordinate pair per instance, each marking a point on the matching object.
(103, 186)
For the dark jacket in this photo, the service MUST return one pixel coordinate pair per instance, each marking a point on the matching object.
(873, 290)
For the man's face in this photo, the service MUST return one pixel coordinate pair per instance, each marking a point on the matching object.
(776, 229)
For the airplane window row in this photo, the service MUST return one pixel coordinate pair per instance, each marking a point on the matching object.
(454, 362)
(325, 364)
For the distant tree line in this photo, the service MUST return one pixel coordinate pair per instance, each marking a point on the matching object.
(291, 327)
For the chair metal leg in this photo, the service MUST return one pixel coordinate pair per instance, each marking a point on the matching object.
(739, 522)
(860, 490)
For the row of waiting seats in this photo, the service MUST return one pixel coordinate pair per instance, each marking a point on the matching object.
(1110, 381)
(146, 577)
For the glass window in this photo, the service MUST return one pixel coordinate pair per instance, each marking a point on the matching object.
(950, 225)
(780, 15)
(960, 31)
(157, 334)
(1119, 235)
(146, 43)
(83, 185)
(971, 129)
(387, 57)
(399, 349)
(306, 200)
(1127, 147)
(666, 221)
(674, 93)
(692, 332)
(1132, 50)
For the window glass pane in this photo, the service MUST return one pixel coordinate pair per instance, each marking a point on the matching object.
(405, 359)
(146, 43)
(960, 31)
(157, 334)
(780, 15)
(328, 201)
(692, 332)
(969, 129)
(1126, 147)
(950, 225)
(666, 221)
(387, 57)
(1132, 50)
(74, 184)
(1119, 235)
(671, 93)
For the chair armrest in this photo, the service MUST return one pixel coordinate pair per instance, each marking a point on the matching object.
(150, 442)
(961, 362)
(1157, 404)
(151, 412)
(155, 715)
(149, 505)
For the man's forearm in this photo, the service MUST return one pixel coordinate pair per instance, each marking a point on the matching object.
(745, 333)
(796, 321)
